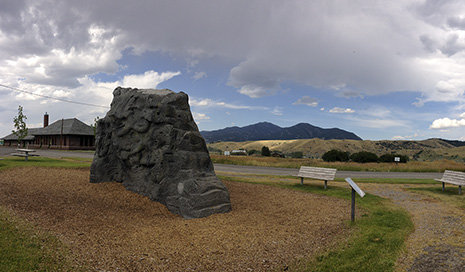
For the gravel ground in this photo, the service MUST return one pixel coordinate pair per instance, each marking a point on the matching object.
(109, 228)
(438, 242)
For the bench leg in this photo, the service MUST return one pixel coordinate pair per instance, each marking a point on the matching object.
(301, 181)
(443, 186)
(326, 184)
(460, 189)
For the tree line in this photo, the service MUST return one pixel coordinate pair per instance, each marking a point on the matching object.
(362, 157)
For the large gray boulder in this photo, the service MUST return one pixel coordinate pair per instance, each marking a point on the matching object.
(150, 142)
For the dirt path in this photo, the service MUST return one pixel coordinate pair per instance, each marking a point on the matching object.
(438, 242)
(111, 229)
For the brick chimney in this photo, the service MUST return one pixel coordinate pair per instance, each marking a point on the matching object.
(46, 120)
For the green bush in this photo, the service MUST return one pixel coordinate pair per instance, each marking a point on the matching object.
(364, 157)
(252, 152)
(266, 151)
(390, 158)
(336, 155)
(296, 155)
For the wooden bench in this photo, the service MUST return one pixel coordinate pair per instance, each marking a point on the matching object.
(453, 177)
(316, 173)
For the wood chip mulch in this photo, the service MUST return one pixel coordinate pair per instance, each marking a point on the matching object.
(109, 228)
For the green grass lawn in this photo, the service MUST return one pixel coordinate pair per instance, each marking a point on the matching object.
(10, 162)
(22, 248)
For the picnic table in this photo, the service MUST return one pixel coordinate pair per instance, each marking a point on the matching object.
(24, 153)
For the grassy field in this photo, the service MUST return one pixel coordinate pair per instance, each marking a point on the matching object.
(10, 162)
(412, 166)
(426, 150)
(449, 196)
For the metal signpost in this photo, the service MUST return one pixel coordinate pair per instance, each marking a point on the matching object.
(359, 191)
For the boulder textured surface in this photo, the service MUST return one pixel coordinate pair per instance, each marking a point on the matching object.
(150, 142)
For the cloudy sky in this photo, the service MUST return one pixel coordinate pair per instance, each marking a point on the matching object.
(380, 69)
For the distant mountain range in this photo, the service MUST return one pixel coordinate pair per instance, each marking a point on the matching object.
(269, 131)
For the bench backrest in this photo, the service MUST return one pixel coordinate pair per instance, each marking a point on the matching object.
(454, 177)
(317, 172)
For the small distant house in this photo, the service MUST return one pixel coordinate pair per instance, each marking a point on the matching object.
(239, 152)
(71, 134)
(277, 154)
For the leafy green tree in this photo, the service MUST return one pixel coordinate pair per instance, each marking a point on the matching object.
(266, 151)
(94, 126)
(336, 155)
(364, 157)
(20, 125)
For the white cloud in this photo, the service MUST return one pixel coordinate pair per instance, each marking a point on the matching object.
(150, 79)
(341, 110)
(212, 103)
(200, 116)
(277, 111)
(63, 66)
(199, 75)
(254, 91)
(306, 100)
(409, 137)
(443, 123)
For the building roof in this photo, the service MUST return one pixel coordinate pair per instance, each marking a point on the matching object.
(29, 137)
(70, 127)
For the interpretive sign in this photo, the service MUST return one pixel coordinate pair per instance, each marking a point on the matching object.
(355, 187)
(359, 191)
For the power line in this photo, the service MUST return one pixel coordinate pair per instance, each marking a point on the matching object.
(54, 98)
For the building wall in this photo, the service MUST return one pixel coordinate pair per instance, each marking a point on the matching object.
(72, 142)
(14, 143)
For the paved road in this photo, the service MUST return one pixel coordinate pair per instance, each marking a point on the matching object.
(5, 151)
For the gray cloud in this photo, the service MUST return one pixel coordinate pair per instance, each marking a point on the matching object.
(371, 48)
(456, 22)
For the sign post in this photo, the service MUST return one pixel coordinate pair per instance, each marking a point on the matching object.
(359, 191)
(397, 160)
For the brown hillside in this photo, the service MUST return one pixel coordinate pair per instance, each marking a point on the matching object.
(431, 149)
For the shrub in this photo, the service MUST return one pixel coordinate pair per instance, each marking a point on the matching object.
(336, 155)
(364, 157)
(390, 158)
(296, 155)
(252, 152)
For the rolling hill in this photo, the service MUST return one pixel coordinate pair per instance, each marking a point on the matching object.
(426, 150)
(269, 131)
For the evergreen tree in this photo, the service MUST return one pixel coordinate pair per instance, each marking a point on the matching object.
(266, 151)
